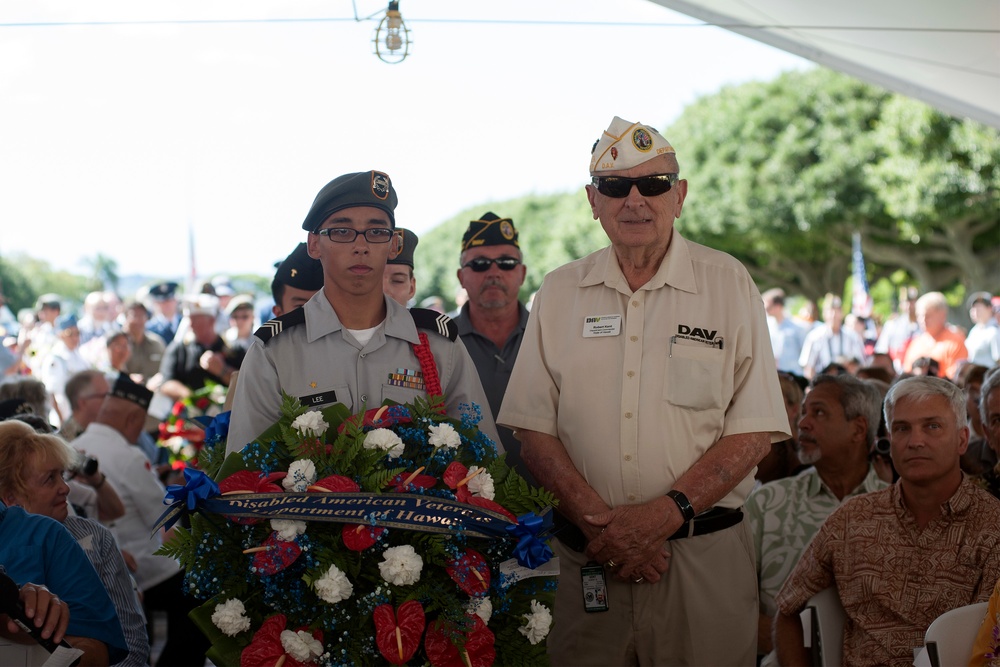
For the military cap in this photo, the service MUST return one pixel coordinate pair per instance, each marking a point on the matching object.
(49, 300)
(239, 301)
(66, 322)
(14, 406)
(163, 291)
(125, 389)
(979, 297)
(201, 304)
(408, 243)
(489, 230)
(625, 145)
(300, 271)
(365, 188)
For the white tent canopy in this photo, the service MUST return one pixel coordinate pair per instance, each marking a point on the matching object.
(946, 54)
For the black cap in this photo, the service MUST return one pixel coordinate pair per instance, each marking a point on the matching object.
(163, 291)
(365, 188)
(127, 390)
(490, 230)
(408, 243)
(300, 271)
(14, 406)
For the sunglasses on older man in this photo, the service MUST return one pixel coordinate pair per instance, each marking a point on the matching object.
(481, 264)
(620, 187)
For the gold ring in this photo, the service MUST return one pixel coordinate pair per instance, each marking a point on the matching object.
(611, 563)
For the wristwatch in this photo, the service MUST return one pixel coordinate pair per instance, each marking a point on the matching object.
(687, 511)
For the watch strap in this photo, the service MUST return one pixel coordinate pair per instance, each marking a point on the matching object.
(687, 511)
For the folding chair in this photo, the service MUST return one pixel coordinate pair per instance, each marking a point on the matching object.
(823, 626)
(949, 638)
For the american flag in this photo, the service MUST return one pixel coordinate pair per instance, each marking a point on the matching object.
(861, 299)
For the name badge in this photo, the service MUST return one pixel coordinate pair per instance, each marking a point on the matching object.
(595, 326)
(321, 398)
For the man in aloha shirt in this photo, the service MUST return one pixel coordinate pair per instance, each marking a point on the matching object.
(901, 557)
(840, 418)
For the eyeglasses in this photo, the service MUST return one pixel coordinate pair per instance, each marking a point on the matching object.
(481, 264)
(347, 234)
(620, 187)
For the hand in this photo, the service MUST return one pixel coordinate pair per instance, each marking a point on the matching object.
(213, 362)
(129, 561)
(634, 539)
(48, 612)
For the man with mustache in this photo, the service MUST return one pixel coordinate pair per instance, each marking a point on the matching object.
(492, 321)
(837, 427)
(901, 557)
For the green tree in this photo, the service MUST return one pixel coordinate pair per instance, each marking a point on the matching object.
(104, 270)
(782, 172)
(15, 288)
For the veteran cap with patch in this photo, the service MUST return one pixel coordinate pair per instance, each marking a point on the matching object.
(490, 230)
(625, 145)
(408, 243)
(366, 188)
(125, 389)
(300, 271)
(201, 304)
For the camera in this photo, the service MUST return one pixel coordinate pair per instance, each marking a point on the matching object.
(881, 447)
(85, 465)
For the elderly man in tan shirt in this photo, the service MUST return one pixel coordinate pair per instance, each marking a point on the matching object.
(644, 394)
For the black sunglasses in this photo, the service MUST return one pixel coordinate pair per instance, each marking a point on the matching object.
(649, 186)
(480, 264)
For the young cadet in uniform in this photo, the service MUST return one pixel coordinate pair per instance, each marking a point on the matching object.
(296, 279)
(644, 394)
(398, 280)
(350, 343)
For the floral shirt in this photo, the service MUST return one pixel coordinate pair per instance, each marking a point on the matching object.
(784, 515)
(893, 578)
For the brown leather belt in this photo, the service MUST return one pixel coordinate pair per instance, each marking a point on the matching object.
(709, 521)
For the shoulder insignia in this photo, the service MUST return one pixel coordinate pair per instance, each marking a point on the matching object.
(425, 318)
(275, 326)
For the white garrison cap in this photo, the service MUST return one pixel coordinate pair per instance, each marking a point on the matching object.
(201, 304)
(625, 145)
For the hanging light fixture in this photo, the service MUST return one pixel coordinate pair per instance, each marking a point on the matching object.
(392, 37)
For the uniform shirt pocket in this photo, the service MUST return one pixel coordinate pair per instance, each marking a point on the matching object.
(693, 377)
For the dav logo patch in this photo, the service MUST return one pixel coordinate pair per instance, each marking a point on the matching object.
(707, 335)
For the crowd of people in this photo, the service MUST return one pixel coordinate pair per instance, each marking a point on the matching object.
(717, 460)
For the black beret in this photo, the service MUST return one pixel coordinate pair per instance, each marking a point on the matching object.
(490, 230)
(408, 243)
(365, 188)
(14, 406)
(300, 271)
(124, 388)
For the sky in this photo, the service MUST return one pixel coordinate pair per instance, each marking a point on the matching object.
(124, 124)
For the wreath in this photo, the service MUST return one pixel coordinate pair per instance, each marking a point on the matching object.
(396, 535)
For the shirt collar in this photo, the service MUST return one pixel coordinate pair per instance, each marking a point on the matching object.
(676, 269)
(871, 482)
(322, 320)
(464, 323)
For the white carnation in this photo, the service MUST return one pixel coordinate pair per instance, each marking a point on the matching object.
(444, 435)
(481, 607)
(334, 586)
(482, 484)
(288, 530)
(401, 565)
(383, 438)
(231, 618)
(300, 475)
(301, 645)
(539, 622)
(310, 424)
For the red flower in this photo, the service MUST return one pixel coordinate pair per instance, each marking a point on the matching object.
(334, 483)
(358, 537)
(405, 481)
(490, 505)
(177, 409)
(398, 634)
(265, 650)
(471, 572)
(248, 481)
(202, 403)
(478, 650)
(453, 475)
(275, 555)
